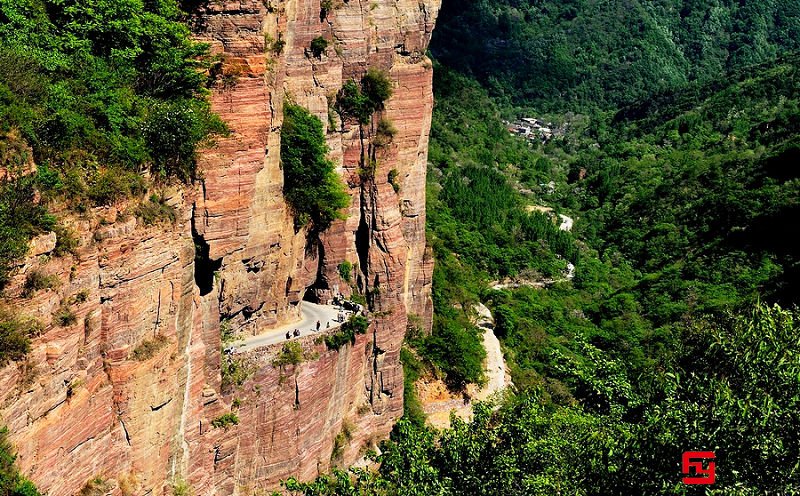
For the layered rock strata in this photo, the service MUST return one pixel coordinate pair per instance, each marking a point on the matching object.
(124, 380)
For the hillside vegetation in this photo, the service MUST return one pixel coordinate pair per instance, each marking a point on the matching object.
(559, 55)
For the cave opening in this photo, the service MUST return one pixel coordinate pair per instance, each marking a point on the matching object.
(313, 293)
(204, 266)
(362, 249)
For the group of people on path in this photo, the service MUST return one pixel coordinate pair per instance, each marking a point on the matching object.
(296, 332)
(338, 300)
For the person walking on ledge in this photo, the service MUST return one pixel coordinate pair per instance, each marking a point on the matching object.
(318, 324)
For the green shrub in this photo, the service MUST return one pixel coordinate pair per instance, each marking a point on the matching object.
(292, 353)
(37, 280)
(66, 242)
(278, 45)
(226, 420)
(357, 324)
(149, 347)
(80, 297)
(235, 371)
(64, 316)
(15, 334)
(385, 133)
(393, 174)
(412, 371)
(318, 46)
(181, 488)
(346, 271)
(226, 331)
(341, 440)
(111, 185)
(351, 103)
(311, 186)
(155, 210)
(173, 130)
(359, 102)
(367, 171)
(327, 6)
(20, 216)
(377, 87)
(12, 483)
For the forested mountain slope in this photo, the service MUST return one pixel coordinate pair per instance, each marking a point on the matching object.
(666, 340)
(578, 54)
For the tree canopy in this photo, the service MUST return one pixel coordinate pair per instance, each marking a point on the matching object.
(311, 186)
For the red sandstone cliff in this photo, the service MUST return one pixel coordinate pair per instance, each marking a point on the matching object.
(85, 404)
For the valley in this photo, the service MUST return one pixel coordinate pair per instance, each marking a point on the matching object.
(562, 230)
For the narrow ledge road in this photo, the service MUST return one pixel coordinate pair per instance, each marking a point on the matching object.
(310, 313)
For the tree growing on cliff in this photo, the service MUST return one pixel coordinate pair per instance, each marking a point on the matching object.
(311, 186)
(12, 483)
(318, 46)
(360, 101)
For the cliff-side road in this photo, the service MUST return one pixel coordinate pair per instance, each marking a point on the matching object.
(311, 314)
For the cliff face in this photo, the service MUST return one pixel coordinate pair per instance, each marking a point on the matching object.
(92, 400)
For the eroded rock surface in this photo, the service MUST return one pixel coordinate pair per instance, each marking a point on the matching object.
(124, 380)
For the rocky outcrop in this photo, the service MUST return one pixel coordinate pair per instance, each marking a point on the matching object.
(124, 381)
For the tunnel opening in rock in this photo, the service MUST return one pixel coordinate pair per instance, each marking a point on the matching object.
(317, 291)
(311, 295)
(204, 266)
(362, 249)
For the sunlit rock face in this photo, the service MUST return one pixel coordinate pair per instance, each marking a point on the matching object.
(90, 402)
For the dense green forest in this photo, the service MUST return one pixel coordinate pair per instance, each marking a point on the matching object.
(559, 55)
(665, 341)
(684, 205)
(722, 391)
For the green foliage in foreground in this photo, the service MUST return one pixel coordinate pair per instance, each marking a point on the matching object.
(732, 386)
(12, 483)
(311, 186)
(110, 82)
(356, 324)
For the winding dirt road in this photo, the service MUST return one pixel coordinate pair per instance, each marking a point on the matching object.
(497, 375)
